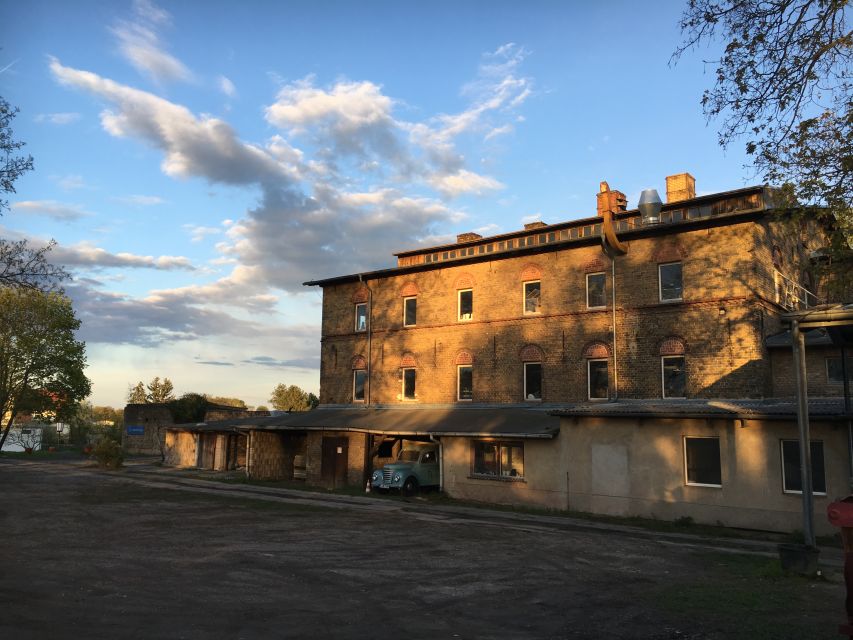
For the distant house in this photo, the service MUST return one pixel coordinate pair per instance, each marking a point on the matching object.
(651, 378)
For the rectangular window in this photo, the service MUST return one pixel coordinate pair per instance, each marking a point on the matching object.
(510, 244)
(792, 481)
(552, 237)
(410, 311)
(702, 462)
(598, 379)
(361, 316)
(498, 460)
(834, 374)
(465, 382)
(596, 295)
(532, 380)
(670, 281)
(490, 248)
(482, 248)
(409, 387)
(466, 305)
(674, 378)
(532, 297)
(542, 237)
(359, 380)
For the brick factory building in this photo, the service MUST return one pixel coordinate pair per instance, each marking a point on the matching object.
(628, 364)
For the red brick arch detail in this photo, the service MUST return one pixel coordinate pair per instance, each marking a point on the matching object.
(409, 289)
(669, 253)
(360, 295)
(672, 346)
(464, 356)
(596, 350)
(531, 272)
(594, 266)
(531, 353)
(408, 360)
(464, 281)
(358, 362)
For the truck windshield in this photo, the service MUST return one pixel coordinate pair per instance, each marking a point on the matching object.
(409, 455)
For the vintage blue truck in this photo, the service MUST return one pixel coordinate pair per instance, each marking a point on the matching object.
(416, 467)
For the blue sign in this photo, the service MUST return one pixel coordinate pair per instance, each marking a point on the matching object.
(135, 430)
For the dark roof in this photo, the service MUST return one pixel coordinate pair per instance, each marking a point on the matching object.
(814, 338)
(510, 421)
(769, 408)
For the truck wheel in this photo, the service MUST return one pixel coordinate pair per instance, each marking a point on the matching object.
(410, 487)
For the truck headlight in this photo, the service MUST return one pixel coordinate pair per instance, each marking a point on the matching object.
(377, 475)
(396, 477)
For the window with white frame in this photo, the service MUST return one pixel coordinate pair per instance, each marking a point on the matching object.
(702, 466)
(669, 281)
(533, 381)
(596, 297)
(361, 316)
(410, 311)
(497, 460)
(359, 383)
(410, 384)
(465, 309)
(464, 382)
(598, 380)
(532, 297)
(673, 377)
(792, 479)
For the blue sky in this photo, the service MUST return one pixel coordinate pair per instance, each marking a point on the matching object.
(196, 162)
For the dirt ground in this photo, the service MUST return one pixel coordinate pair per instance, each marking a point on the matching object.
(87, 554)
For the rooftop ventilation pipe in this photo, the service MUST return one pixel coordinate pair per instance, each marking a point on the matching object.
(649, 206)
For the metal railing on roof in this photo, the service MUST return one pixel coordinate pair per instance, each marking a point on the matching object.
(792, 295)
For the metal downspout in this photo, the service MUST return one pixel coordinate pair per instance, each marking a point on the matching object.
(845, 376)
(615, 366)
(369, 338)
(440, 462)
(799, 347)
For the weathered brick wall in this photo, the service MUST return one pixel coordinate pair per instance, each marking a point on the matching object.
(721, 321)
(785, 382)
(155, 419)
(267, 456)
(180, 449)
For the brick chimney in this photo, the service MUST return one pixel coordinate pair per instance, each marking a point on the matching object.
(468, 237)
(536, 224)
(614, 200)
(681, 186)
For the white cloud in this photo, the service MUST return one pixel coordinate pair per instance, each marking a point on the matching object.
(141, 200)
(199, 233)
(462, 182)
(499, 131)
(70, 182)
(85, 254)
(50, 209)
(139, 43)
(57, 118)
(227, 87)
(533, 217)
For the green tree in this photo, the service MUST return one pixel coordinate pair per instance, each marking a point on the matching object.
(226, 401)
(41, 362)
(160, 391)
(290, 398)
(783, 86)
(137, 395)
(14, 165)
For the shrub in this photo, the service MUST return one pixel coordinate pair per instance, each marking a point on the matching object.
(108, 453)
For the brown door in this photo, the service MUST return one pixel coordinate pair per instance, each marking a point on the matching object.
(334, 464)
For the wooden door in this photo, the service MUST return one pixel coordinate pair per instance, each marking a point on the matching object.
(333, 468)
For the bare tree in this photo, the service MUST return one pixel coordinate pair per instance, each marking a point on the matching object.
(13, 166)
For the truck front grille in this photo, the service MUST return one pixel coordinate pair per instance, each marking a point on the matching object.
(386, 476)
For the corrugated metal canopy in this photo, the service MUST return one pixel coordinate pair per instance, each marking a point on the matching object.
(515, 422)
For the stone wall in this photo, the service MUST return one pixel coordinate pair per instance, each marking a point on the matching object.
(154, 420)
(266, 456)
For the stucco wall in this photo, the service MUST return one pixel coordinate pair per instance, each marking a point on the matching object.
(543, 485)
(631, 467)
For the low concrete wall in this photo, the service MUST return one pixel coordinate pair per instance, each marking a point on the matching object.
(153, 420)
